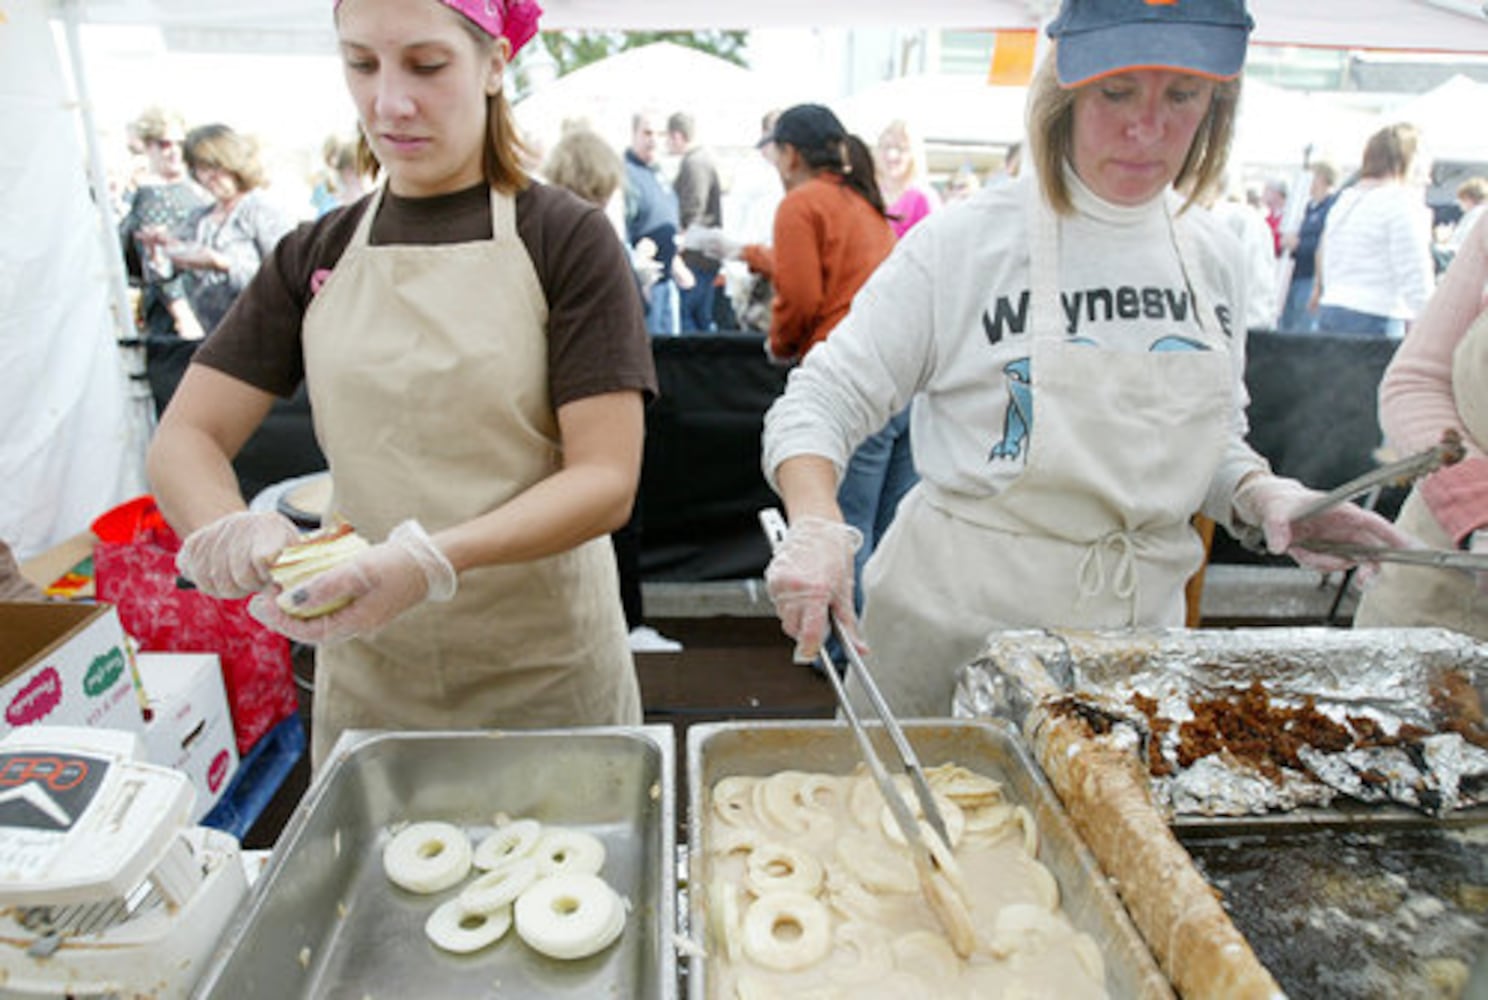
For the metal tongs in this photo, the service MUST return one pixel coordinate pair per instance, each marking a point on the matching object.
(1399, 473)
(924, 861)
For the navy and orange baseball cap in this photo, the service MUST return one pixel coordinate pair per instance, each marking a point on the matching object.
(1097, 38)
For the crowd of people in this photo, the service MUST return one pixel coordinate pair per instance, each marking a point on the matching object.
(1062, 341)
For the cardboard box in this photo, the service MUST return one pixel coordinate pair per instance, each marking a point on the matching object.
(65, 665)
(188, 727)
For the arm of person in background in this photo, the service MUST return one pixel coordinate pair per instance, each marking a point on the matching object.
(760, 259)
(797, 279)
(1417, 401)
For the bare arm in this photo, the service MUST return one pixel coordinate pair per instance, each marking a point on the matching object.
(808, 485)
(190, 458)
(590, 496)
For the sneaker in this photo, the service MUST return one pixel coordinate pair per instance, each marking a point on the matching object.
(645, 639)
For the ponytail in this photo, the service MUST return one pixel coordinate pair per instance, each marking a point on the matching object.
(852, 160)
(862, 174)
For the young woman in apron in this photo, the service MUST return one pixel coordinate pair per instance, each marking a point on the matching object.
(477, 390)
(1436, 381)
(1074, 347)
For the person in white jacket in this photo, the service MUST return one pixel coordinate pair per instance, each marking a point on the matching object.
(1074, 345)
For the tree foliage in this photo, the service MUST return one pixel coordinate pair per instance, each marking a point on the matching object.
(571, 50)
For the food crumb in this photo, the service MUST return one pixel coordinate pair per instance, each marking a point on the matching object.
(305, 958)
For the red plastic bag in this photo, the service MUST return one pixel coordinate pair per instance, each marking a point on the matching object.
(134, 565)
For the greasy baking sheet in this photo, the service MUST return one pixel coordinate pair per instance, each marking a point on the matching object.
(324, 921)
(1405, 685)
(717, 750)
(1395, 911)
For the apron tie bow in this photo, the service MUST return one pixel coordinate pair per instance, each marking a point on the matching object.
(1092, 578)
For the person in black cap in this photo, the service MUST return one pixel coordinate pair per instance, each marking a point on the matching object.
(1074, 345)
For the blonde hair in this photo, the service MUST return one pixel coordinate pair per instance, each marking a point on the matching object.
(219, 147)
(899, 129)
(1051, 138)
(501, 161)
(157, 123)
(585, 164)
(1474, 189)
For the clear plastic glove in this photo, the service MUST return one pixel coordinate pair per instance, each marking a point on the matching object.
(230, 557)
(1272, 502)
(712, 241)
(812, 571)
(380, 583)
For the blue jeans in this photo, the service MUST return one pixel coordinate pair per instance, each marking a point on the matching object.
(697, 303)
(1294, 315)
(661, 313)
(1337, 319)
(880, 472)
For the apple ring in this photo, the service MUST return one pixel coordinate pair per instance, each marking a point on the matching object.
(427, 857)
(568, 852)
(733, 799)
(1030, 830)
(569, 916)
(723, 918)
(499, 887)
(955, 819)
(963, 786)
(457, 930)
(509, 842)
(785, 931)
(775, 867)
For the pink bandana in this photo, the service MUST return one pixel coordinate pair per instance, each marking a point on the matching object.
(514, 20)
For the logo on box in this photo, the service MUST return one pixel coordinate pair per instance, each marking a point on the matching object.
(36, 700)
(103, 672)
(217, 773)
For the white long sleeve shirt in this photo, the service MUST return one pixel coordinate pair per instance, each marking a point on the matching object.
(1376, 251)
(944, 321)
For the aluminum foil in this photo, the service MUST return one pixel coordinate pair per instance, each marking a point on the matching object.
(1390, 676)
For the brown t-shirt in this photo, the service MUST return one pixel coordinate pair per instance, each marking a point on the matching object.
(597, 340)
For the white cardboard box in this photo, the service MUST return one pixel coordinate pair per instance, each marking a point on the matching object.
(65, 665)
(188, 726)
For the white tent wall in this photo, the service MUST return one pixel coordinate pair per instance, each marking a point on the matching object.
(72, 440)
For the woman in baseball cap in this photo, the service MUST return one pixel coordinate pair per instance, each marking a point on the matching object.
(1074, 345)
(475, 353)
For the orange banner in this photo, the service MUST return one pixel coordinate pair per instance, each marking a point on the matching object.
(1012, 57)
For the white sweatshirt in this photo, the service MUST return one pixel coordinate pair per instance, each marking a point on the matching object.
(944, 322)
(1376, 251)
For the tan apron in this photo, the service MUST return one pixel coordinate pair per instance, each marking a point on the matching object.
(1095, 530)
(428, 378)
(1407, 596)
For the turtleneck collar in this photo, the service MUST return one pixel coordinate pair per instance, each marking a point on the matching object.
(1090, 204)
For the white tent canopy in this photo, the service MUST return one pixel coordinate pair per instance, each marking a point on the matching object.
(1440, 25)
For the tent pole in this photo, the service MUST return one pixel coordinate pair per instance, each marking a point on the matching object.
(131, 347)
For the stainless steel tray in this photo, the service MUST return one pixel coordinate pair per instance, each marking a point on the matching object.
(717, 750)
(323, 921)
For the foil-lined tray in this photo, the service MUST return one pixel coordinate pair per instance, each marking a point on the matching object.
(1411, 700)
